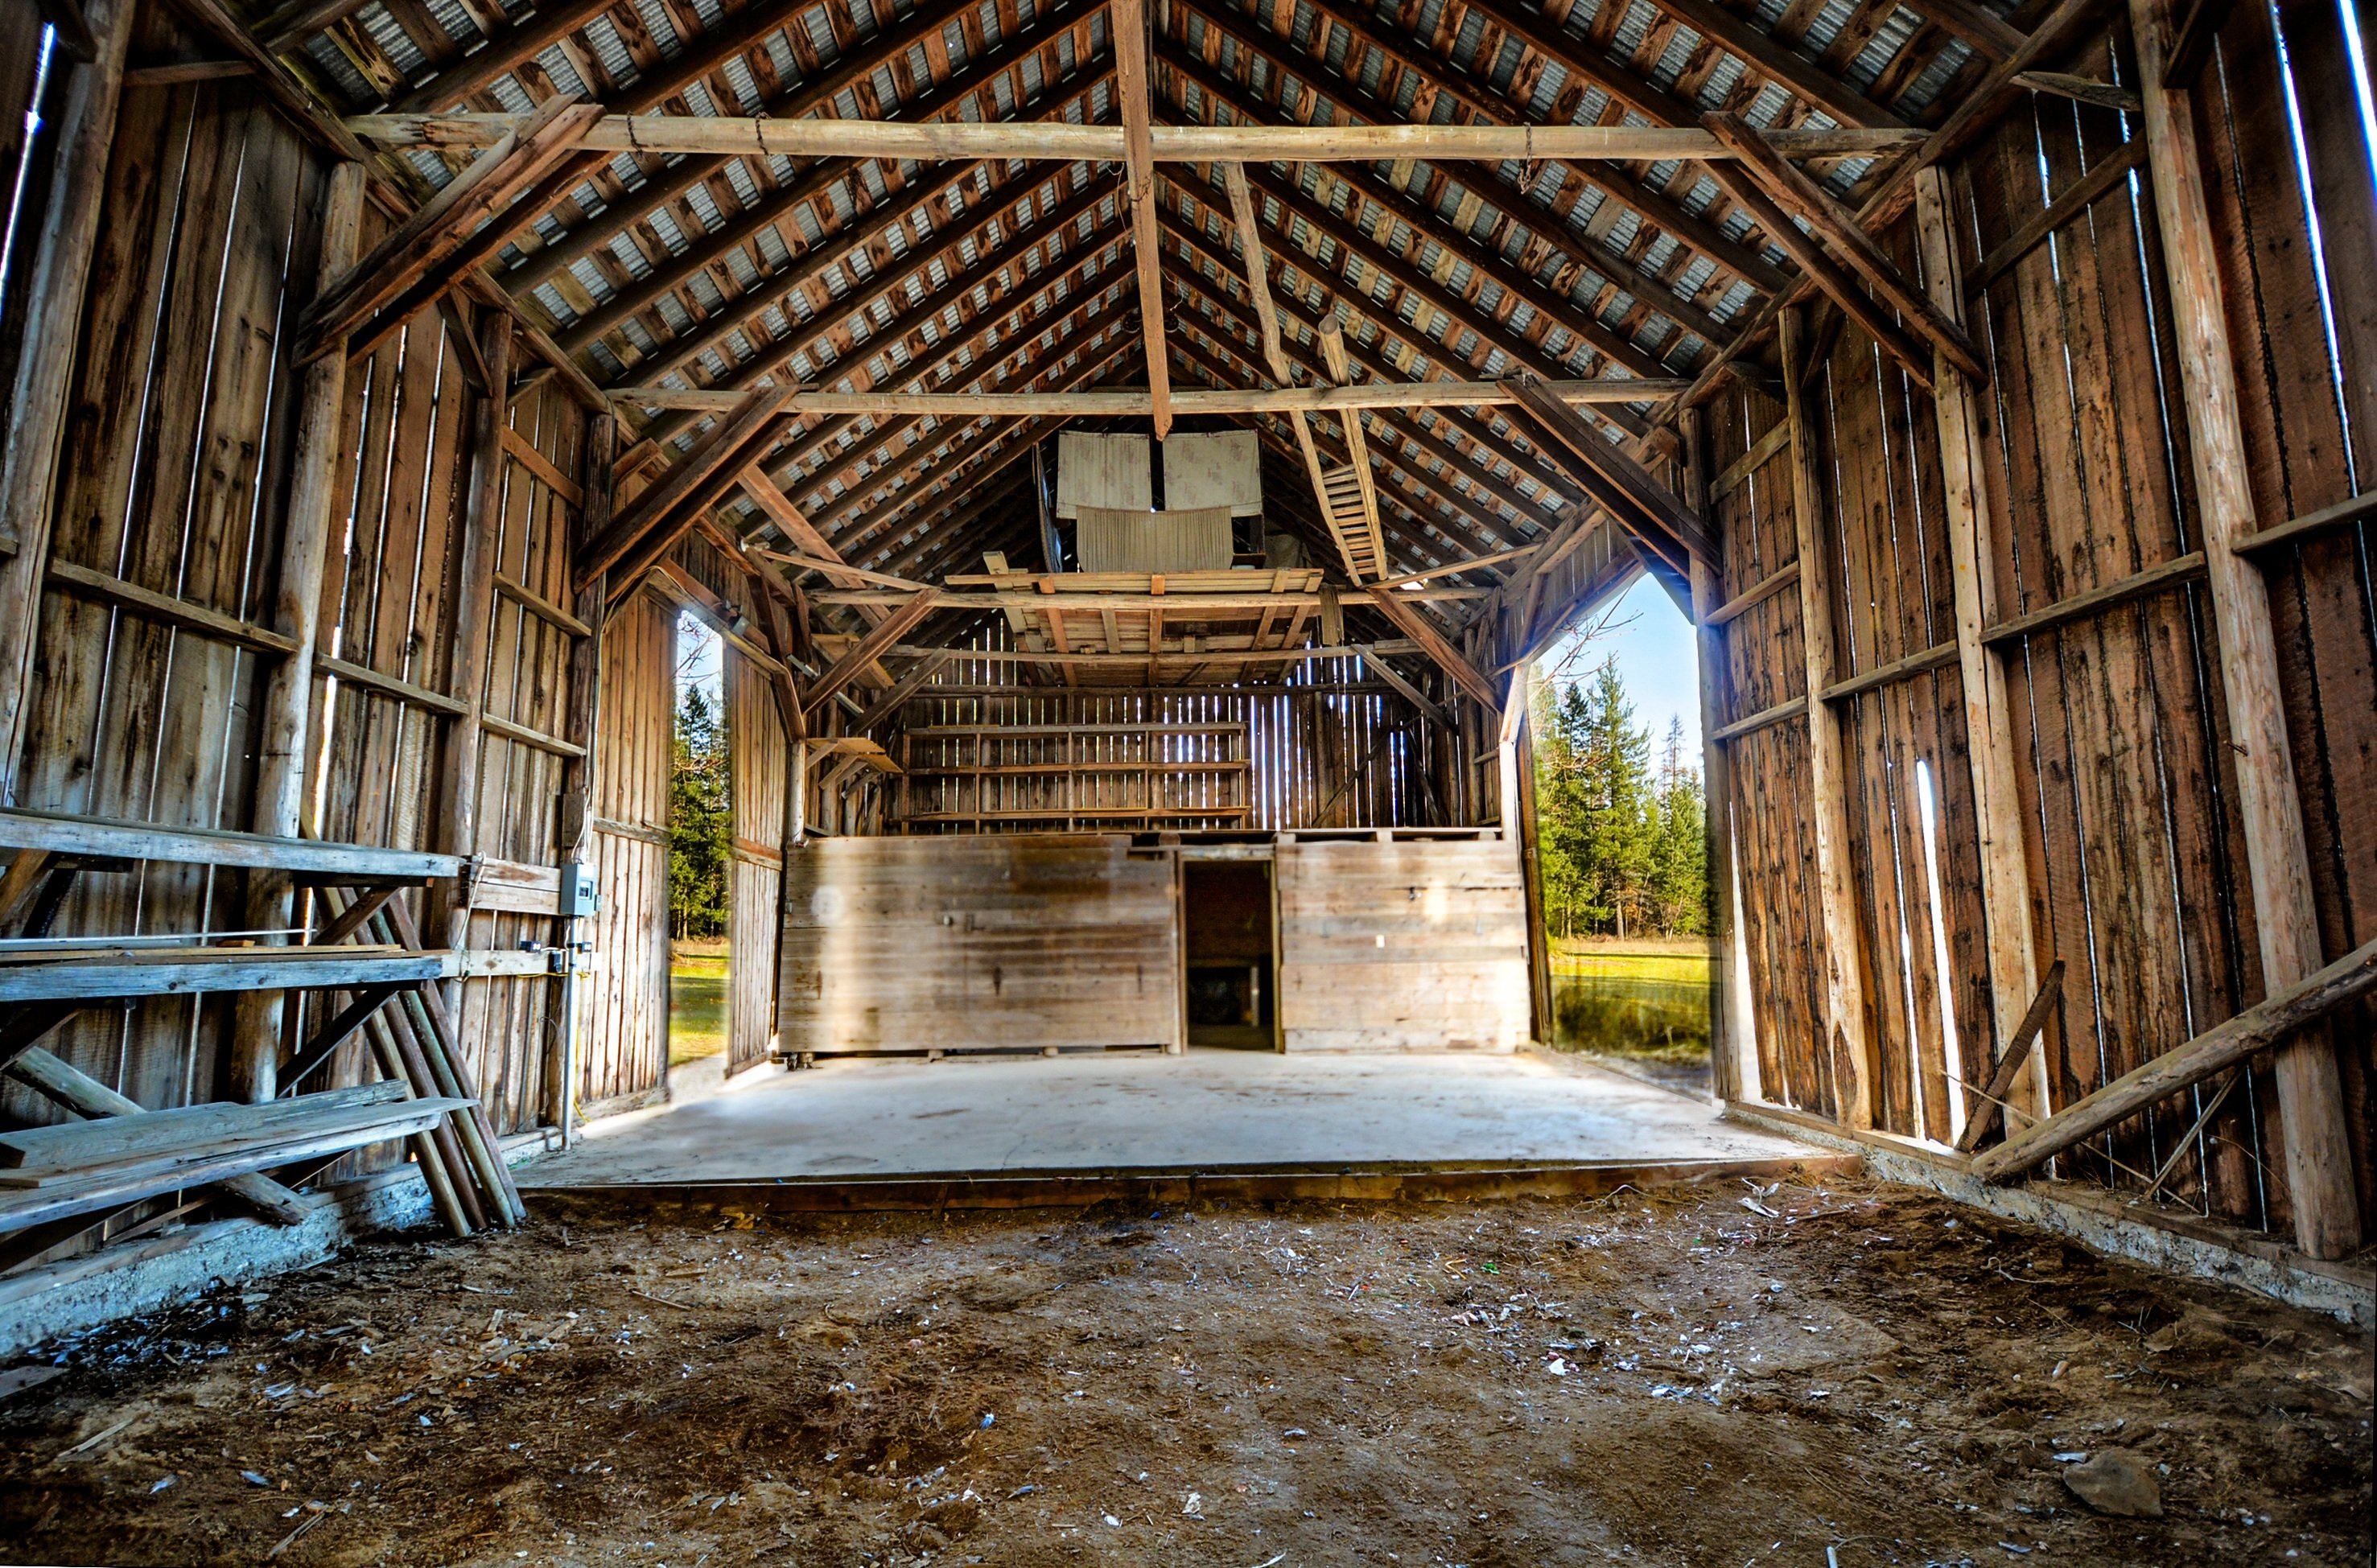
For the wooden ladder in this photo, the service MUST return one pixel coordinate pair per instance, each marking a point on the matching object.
(1351, 520)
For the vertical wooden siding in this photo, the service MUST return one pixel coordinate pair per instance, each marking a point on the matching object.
(173, 483)
(756, 753)
(2122, 762)
(2304, 320)
(626, 1027)
(175, 440)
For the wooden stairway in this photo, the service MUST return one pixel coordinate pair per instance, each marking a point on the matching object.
(1351, 520)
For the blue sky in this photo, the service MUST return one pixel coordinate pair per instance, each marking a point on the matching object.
(1653, 643)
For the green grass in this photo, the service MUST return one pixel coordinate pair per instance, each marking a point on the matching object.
(697, 1001)
(1682, 961)
(1645, 998)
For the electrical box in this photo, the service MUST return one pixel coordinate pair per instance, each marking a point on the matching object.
(577, 897)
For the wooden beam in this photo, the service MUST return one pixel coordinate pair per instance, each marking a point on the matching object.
(70, 1086)
(416, 249)
(869, 649)
(1068, 143)
(1641, 499)
(2345, 513)
(1453, 568)
(1420, 630)
(1821, 270)
(1989, 745)
(454, 802)
(652, 513)
(2013, 1060)
(1838, 228)
(1492, 104)
(1132, 94)
(1139, 402)
(2318, 1141)
(1845, 1045)
(2289, 1010)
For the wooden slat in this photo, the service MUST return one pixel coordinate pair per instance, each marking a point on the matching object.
(172, 612)
(62, 833)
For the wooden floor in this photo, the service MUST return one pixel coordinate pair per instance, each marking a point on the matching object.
(1205, 1111)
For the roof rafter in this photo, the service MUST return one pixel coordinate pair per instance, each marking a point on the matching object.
(1570, 247)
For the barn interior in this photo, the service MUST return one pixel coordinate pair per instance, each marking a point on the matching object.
(1136, 455)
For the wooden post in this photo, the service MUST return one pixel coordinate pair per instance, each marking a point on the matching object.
(581, 723)
(1988, 723)
(1521, 774)
(38, 398)
(306, 538)
(1733, 1060)
(1846, 1046)
(2311, 1097)
(471, 561)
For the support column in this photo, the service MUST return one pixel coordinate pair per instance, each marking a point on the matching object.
(306, 538)
(1845, 1045)
(38, 396)
(1972, 555)
(470, 594)
(1733, 1059)
(2286, 915)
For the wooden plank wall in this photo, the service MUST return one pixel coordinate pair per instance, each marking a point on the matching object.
(625, 1031)
(978, 942)
(2124, 776)
(2311, 417)
(1338, 758)
(178, 431)
(756, 753)
(173, 483)
(1401, 946)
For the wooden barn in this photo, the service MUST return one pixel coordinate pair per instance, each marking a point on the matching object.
(1135, 458)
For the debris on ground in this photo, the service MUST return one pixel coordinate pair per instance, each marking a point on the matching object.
(1662, 1377)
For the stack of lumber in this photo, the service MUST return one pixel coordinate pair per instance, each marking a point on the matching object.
(48, 1174)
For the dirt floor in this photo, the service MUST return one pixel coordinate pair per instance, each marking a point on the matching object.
(1718, 1377)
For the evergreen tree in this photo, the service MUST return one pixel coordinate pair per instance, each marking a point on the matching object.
(1619, 847)
(1679, 850)
(702, 820)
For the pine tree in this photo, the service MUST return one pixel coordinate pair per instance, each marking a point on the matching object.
(702, 825)
(1619, 849)
(1680, 851)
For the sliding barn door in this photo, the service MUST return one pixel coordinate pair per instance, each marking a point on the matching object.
(626, 1032)
(754, 871)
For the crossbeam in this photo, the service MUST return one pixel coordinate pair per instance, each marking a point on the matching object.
(1109, 144)
(1124, 402)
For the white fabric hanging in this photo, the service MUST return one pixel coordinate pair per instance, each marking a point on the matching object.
(1101, 470)
(1196, 539)
(1224, 468)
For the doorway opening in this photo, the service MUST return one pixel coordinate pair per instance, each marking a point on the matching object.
(1229, 937)
(701, 858)
(1621, 838)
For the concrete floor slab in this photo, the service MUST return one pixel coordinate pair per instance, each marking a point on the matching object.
(1207, 1110)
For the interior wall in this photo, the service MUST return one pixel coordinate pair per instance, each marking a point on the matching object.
(1402, 945)
(1360, 756)
(977, 942)
(2125, 774)
(625, 1057)
(755, 875)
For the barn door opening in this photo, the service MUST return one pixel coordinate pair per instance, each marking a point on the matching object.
(1230, 940)
(701, 853)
